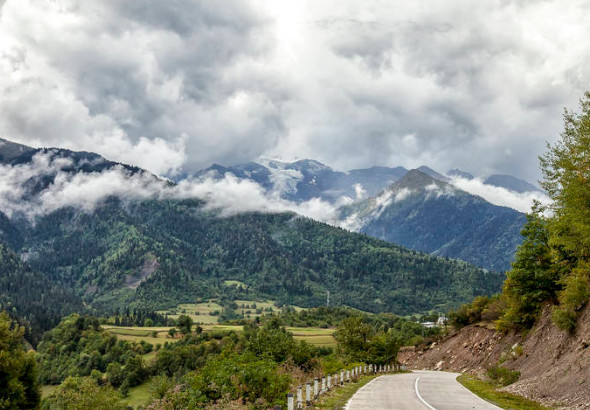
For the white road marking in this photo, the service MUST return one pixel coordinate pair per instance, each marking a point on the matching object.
(420, 397)
(347, 405)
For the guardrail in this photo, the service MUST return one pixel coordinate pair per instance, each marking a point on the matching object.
(306, 396)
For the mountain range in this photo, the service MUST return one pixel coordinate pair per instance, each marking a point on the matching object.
(306, 179)
(420, 209)
(156, 251)
(430, 215)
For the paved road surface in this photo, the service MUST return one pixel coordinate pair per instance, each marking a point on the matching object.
(420, 390)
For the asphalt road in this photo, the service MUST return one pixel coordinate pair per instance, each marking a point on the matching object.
(420, 390)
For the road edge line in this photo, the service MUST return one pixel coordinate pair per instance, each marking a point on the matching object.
(420, 397)
(349, 400)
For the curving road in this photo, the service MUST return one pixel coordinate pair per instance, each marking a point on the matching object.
(419, 390)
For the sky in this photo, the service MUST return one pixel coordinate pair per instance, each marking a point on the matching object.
(178, 85)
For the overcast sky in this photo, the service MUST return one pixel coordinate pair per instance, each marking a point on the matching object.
(170, 85)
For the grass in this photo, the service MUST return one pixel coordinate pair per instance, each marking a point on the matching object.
(48, 389)
(208, 312)
(198, 312)
(488, 392)
(138, 395)
(236, 283)
(314, 335)
(338, 397)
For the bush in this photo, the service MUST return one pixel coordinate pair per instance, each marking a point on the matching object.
(473, 312)
(82, 393)
(244, 376)
(502, 376)
(571, 300)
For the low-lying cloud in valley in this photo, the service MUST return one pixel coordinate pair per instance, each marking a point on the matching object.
(85, 191)
(522, 202)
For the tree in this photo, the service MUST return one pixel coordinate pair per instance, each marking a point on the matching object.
(18, 371)
(566, 169)
(184, 324)
(533, 278)
(353, 337)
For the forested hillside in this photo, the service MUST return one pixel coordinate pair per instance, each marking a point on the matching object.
(160, 253)
(34, 299)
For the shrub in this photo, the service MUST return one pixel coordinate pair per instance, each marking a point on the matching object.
(470, 313)
(571, 300)
(502, 376)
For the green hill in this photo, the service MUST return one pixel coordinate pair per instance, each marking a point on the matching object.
(158, 254)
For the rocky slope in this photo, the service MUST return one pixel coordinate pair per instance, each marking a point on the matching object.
(554, 366)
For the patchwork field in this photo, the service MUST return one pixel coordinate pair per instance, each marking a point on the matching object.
(155, 335)
(208, 312)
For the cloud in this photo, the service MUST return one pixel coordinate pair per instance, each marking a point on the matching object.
(181, 84)
(522, 202)
(85, 191)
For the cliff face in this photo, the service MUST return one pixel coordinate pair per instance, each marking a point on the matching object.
(554, 366)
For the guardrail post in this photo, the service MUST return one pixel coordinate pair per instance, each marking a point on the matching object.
(315, 388)
(323, 385)
(299, 397)
(290, 404)
(348, 376)
(341, 377)
(308, 394)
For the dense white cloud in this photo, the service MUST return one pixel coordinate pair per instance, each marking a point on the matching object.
(522, 202)
(85, 191)
(183, 84)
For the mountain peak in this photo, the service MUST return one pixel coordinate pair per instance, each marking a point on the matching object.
(459, 173)
(417, 179)
(10, 150)
(429, 171)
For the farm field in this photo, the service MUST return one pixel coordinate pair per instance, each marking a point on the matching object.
(208, 312)
(312, 335)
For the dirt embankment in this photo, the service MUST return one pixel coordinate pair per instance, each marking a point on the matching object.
(554, 366)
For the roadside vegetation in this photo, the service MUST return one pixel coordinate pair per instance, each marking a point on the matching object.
(192, 365)
(490, 393)
(337, 398)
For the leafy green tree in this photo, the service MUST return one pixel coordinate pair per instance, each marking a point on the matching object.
(566, 169)
(18, 371)
(184, 324)
(533, 278)
(353, 337)
(82, 393)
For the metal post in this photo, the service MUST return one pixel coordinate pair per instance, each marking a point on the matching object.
(290, 404)
(323, 384)
(341, 377)
(329, 381)
(348, 376)
(308, 394)
(316, 392)
(299, 397)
